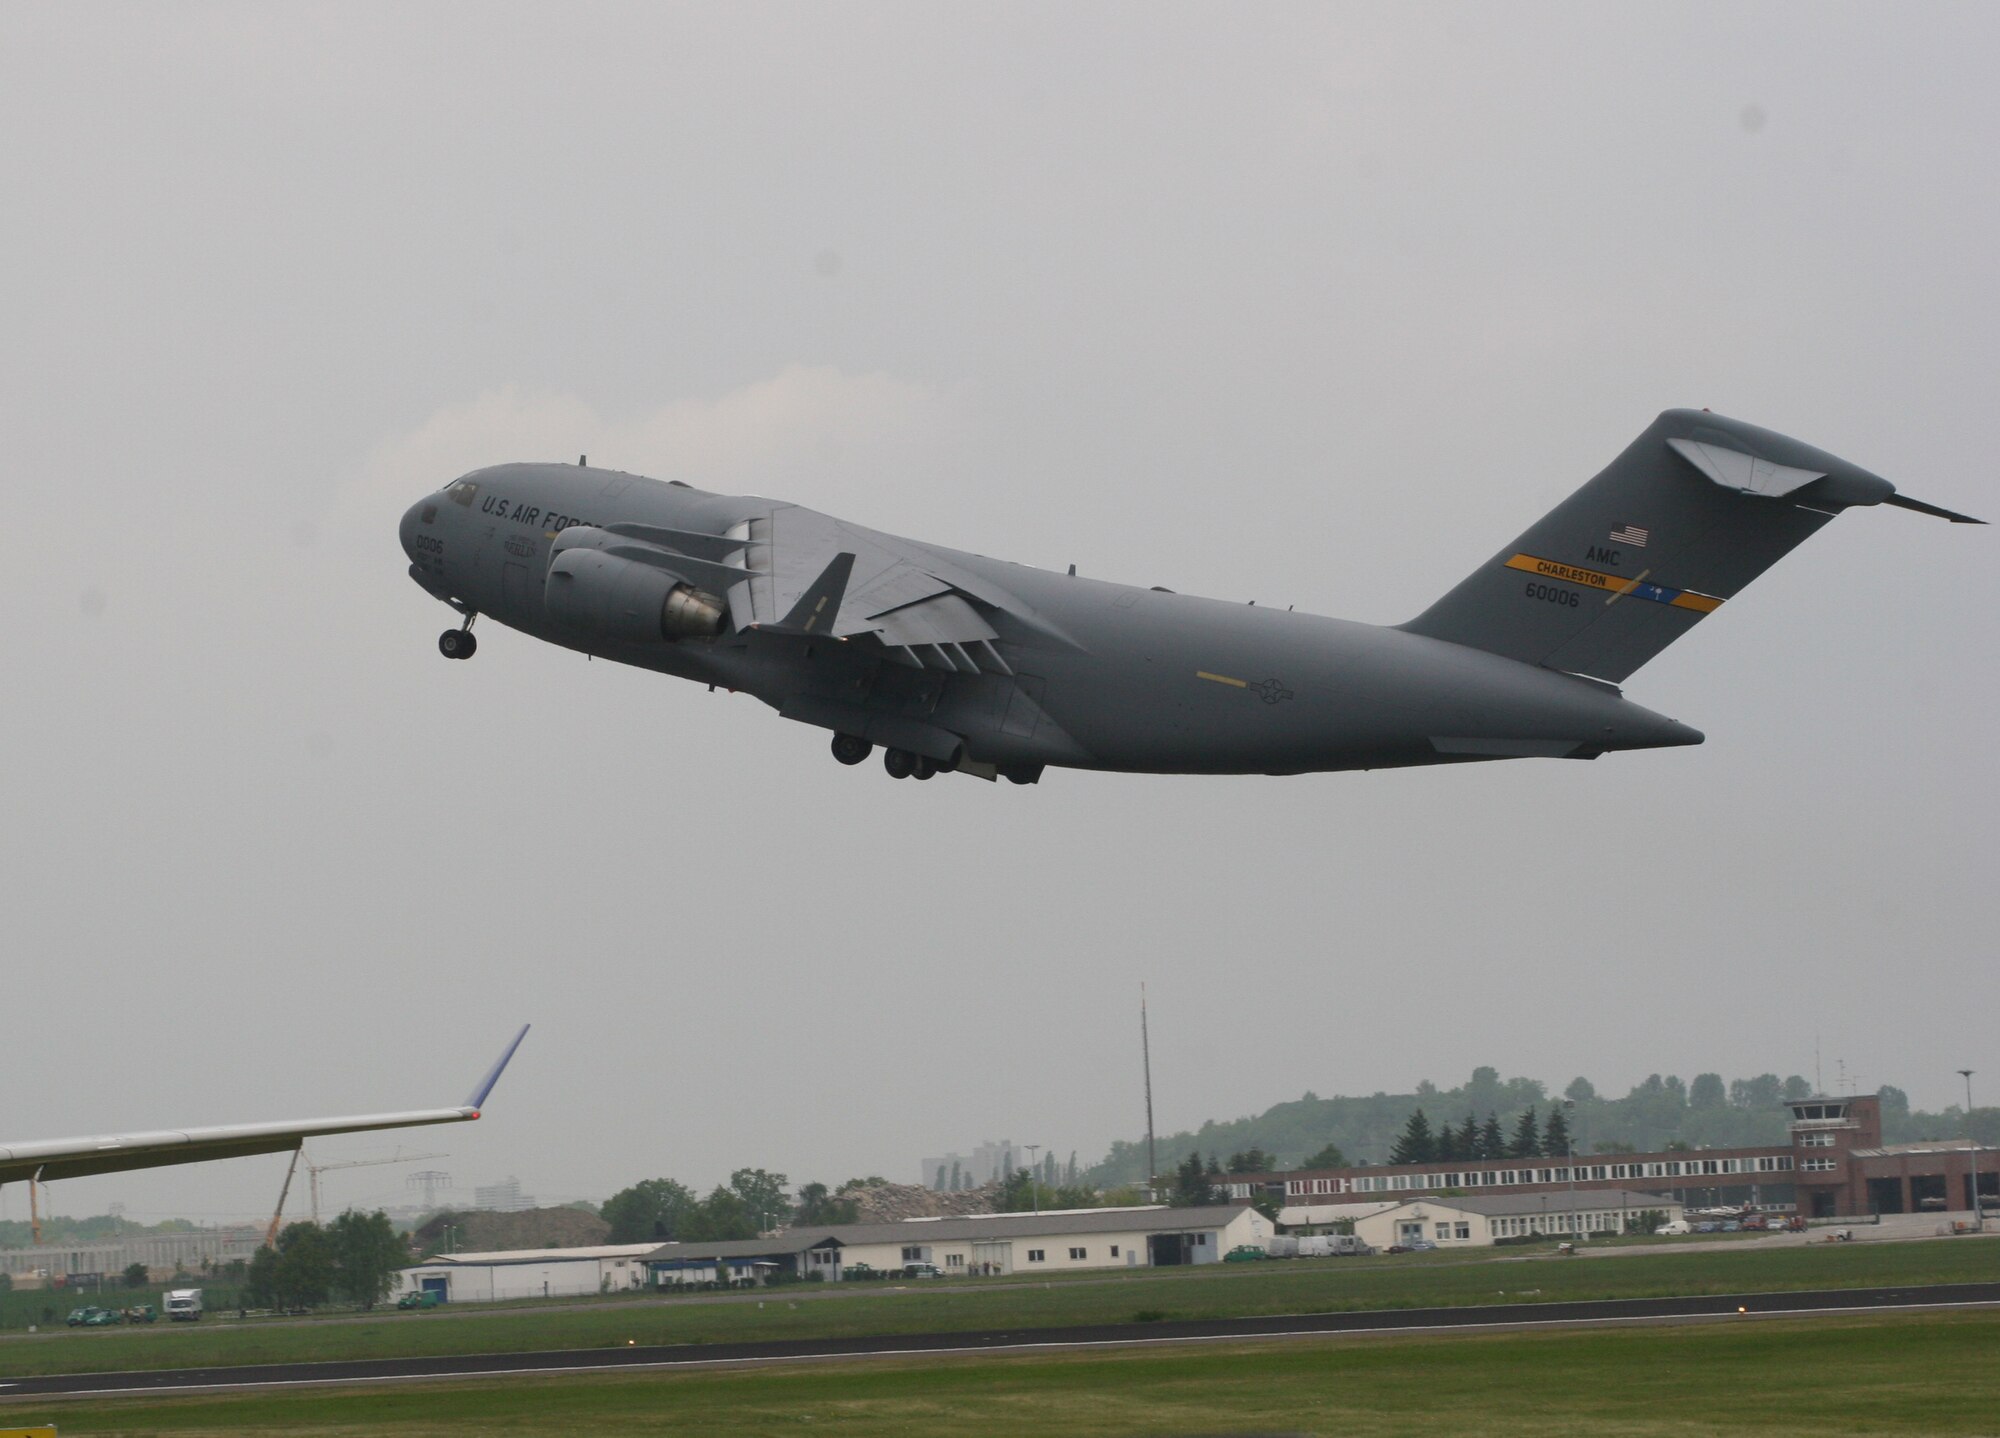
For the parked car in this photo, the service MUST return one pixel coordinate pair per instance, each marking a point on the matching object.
(1422, 1245)
(922, 1270)
(1245, 1253)
(93, 1317)
(1673, 1230)
(142, 1313)
(1755, 1223)
(420, 1298)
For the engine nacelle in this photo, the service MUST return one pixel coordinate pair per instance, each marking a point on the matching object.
(626, 601)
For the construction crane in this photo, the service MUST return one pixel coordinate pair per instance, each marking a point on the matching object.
(314, 1170)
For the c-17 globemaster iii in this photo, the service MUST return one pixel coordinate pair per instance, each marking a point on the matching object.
(955, 662)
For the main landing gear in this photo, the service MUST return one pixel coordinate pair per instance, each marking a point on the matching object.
(900, 763)
(459, 643)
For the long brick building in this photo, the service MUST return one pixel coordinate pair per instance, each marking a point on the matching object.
(1835, 1165)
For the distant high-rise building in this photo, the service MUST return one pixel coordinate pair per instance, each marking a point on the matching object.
(502, 1197)
(985, 1163)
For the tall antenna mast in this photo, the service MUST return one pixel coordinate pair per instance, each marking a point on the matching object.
(1146, 1054)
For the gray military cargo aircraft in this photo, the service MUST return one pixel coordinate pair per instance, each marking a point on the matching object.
(953, 662)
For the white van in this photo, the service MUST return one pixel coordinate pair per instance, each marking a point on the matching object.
(1674, 1229)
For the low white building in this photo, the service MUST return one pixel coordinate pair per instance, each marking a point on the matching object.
(1324, 1217)
(1470, 1222)
(531, 1273)
(977, 1244)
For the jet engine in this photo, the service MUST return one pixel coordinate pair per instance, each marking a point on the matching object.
(625, 600)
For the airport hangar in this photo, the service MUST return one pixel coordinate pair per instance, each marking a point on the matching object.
(1835, 1165)
(974, 1244)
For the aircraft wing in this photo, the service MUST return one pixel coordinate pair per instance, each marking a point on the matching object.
(50, 1159)
(813, 574)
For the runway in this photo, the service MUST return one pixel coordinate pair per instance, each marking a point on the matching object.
(1031, 1340)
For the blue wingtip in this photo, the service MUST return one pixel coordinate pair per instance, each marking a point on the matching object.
(478, 1099)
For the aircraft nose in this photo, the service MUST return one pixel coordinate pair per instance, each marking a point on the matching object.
(413, 519)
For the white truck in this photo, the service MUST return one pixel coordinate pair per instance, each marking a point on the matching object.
(183, 1305)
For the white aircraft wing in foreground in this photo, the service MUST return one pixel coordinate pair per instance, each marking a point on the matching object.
(50, 1159)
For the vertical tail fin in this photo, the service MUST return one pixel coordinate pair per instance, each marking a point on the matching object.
(1690, 513)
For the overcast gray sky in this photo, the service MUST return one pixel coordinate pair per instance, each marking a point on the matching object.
(1312, 305)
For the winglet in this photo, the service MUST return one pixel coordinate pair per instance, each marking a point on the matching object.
(478, 1099)
(819, 606)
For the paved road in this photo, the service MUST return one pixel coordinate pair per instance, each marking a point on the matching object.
(1406, 1320)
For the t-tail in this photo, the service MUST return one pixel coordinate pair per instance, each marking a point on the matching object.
(1677, 525)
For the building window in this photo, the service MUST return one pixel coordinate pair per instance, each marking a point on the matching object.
(912, 1255)
(1201, 1240)
(1114, 1250)
(1035, 1255)
(1819, 1165)
(1463, 1230)
(1815, 1140)
(1077, 1255)
(954, 1260)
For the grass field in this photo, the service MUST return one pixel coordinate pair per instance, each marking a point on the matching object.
(1214, 1291)
(1903, 1374)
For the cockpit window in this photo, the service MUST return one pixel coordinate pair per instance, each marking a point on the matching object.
(462, 491)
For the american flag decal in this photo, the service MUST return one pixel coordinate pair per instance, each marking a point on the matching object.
(1631, 534)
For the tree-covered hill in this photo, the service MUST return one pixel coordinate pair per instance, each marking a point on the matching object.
(1708, 1113)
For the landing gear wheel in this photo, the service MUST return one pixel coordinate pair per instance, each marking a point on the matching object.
(457, 644)
(900, 763)
(851, 748)
(923, 768)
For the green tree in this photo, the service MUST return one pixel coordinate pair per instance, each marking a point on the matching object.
(1192, 1188)
(1444, 1148)
(1414, 1144)
(1707, 1092)
(818, 1208)
(303, 1275)
(1492, 1142)
(260, 1279)
(652, 1209)
(763, 1195)
(1795, 1088)
(1527, 1140)
(1329, 1156)
(1251, 1160)
(1468, 1140)
(367, 1251)
(722, 1217)
(1555, 1137)
(135, 1275)
(1581, 1090)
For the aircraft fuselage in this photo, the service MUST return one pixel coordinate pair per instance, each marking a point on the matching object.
(1092, 674)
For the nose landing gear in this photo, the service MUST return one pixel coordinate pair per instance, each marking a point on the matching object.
(459, 643)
